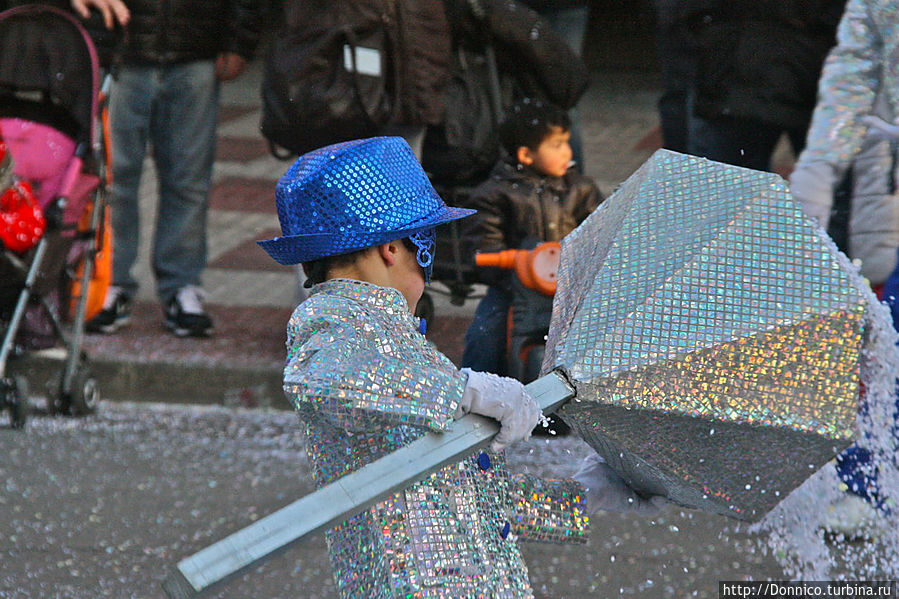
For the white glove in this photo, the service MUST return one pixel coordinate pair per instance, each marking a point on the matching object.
(812, 185)
(502, 399)
(607, 491)
(879, 128)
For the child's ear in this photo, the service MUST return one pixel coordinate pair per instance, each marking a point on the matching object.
(388, 252)
(524, 156)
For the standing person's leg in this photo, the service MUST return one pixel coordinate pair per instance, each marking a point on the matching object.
(571, 25)
(183, 135)
(131, 103)
(739, 142)
(130, 108)
(678, 68)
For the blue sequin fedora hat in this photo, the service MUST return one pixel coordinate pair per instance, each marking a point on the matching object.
(351, 196)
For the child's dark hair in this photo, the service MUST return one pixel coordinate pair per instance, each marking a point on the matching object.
(528, 122)
(317, 271)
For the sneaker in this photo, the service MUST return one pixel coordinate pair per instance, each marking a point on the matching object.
(116, 312)
(184, 314)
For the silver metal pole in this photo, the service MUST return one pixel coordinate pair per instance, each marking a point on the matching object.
(346, 496)
(87, 272)
(19, 311)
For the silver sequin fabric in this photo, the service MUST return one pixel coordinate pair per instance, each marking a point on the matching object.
(865, 60)
(712, 335)
(365, 382)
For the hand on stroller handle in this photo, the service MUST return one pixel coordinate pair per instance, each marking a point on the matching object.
(113, 11)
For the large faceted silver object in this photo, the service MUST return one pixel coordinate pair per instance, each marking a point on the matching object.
(712, 336)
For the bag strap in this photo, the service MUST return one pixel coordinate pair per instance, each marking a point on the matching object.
(280, 153)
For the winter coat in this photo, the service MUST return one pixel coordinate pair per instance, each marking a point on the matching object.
(760, 59)
(517, 205)
(859, 78)
(530, 54)
(424, 58)
(365, 383)
(176, 31)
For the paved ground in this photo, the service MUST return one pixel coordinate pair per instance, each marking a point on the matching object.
(103, 506)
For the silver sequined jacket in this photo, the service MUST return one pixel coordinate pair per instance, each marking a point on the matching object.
(366, 382)
(860, 77)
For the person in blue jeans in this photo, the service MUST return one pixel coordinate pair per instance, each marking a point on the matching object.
(677, 67)
(164, 96)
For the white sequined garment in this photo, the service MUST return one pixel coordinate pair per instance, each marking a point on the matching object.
(366, 382)
(865, 60)
(860, 78)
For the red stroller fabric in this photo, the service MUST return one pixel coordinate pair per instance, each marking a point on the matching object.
(21, 218)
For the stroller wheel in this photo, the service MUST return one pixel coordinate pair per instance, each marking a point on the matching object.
(84, 395)
(18, 401)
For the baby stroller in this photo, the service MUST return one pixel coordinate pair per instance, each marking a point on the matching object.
(50, 106)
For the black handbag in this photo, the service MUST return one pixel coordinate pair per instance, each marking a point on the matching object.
(329, 77)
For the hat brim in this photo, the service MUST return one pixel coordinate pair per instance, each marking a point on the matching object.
(297, 249)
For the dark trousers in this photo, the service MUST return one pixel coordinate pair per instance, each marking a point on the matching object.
(740, 142)
(485, 340)
(677, 64)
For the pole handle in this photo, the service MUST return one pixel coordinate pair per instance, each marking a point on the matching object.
(347, 496)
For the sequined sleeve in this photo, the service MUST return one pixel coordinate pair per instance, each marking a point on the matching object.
(344, 367)
(847, 89)
(549, 510)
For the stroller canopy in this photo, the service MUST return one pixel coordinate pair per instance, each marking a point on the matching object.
(49, 70)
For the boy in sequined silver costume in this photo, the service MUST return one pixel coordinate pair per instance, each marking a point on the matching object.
(360, 217)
